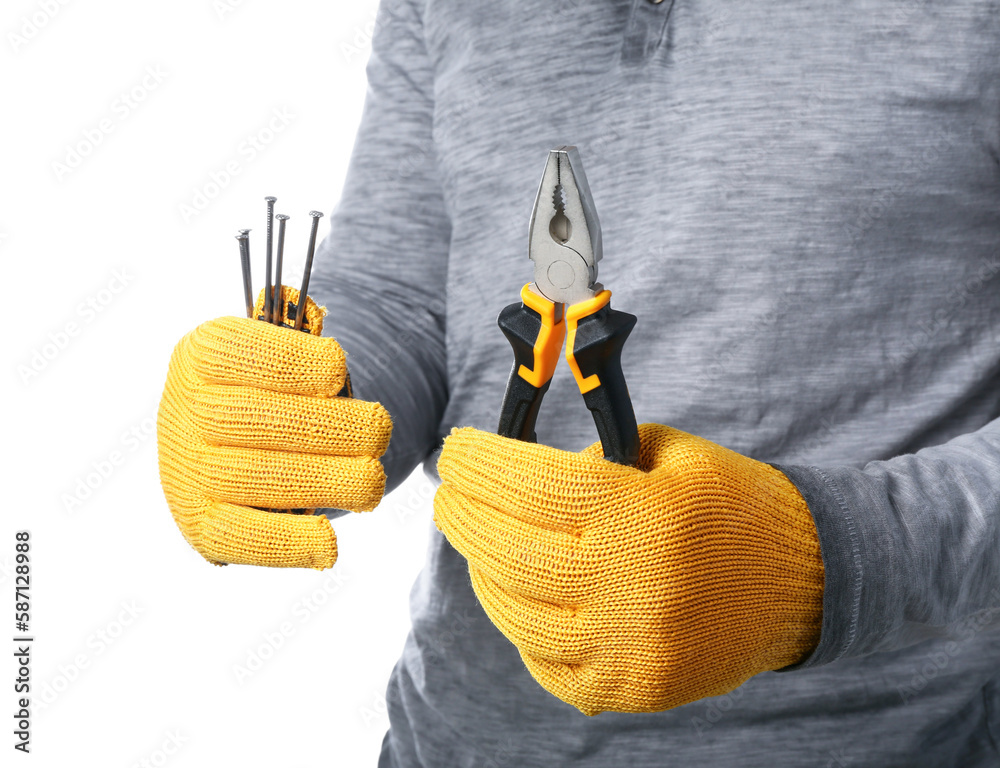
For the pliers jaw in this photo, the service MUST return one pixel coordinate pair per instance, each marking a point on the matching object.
(564, 236)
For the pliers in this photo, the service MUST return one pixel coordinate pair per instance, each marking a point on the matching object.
(565, 301)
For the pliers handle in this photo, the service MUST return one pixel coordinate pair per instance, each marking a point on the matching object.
(595, 335)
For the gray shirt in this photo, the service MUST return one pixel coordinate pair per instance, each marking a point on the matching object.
(801, 203)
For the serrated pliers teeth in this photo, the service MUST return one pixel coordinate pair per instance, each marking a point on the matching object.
(564, 236)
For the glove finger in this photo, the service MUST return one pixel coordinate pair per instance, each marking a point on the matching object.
(538, 627)
(274, 479)
(529, 561)
(227, 533)
(256, 418)
(235, 350)
(567, 682)
(286, 302)
(546, 487)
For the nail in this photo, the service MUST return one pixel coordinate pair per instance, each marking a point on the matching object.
(268, 297)
(244, 240)
(304, 290)
(278, 313)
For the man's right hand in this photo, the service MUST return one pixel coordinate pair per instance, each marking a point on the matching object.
(250, 422)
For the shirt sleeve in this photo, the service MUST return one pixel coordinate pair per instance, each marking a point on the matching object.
(911, 546)
(381, 269)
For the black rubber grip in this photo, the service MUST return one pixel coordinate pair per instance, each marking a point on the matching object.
(600, 338)
(521, 400)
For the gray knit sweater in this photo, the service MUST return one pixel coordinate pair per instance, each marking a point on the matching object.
(801, 203)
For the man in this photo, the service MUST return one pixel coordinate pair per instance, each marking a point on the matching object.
(801, 203)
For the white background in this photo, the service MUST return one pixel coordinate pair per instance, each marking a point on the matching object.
(123, 682)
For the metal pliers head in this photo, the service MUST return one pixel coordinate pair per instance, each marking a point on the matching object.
(564, 236)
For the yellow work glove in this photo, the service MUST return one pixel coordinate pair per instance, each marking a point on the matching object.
(634, 589)
(250, 422)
